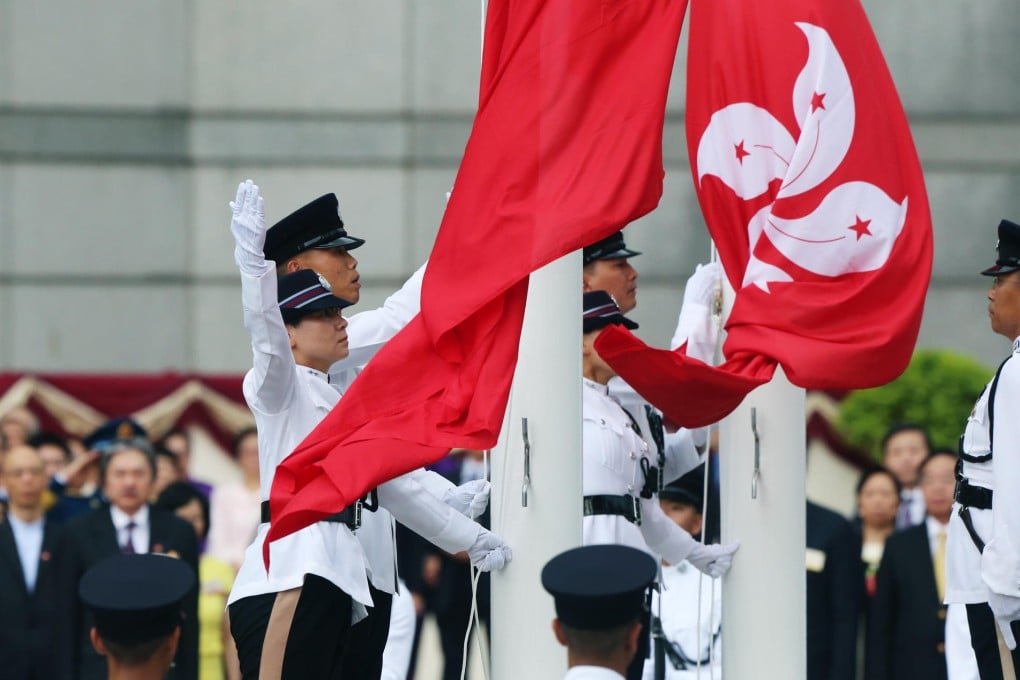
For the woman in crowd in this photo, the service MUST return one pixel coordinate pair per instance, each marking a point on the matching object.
(235, 506)
(878, 499)
(217, 658)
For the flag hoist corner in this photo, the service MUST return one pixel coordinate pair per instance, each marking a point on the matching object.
(566, 148)
(811, 188)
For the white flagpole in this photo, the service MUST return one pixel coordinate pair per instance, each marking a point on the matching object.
(762, 463)
(536, 484)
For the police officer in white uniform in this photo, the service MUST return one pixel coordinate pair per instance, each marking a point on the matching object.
(619, 476)
(601, 595)
(688, 606)
(314, 237)
(983, 549)
(606, 266)
(296, 618)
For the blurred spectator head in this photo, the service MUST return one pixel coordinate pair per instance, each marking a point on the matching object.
(168, 470)
(115, 433)
(245, 448)
(878, 497)
(55, 452)
(188, 503)
(177, 441)
(128, 471)
(24, 477)
(904, 447)
(17, 426)
(937, 479)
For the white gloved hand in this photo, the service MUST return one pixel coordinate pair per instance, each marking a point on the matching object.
(703, 286)
(1006, 609)
(697, 325)
(248, 225)
(715, 559)
(489, 552)
(470, 498)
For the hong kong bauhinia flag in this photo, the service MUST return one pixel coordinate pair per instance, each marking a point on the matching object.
(811, 188)
(566, 148)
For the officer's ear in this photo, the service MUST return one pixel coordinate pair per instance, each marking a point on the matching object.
(97, 642)
(632, 640)
(558, 631)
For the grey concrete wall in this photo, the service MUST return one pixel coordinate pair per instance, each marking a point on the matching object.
(125, 126)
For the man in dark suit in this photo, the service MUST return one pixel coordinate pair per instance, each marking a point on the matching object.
(906, 633)
(27, 571)
(128, 525)
(835, 585)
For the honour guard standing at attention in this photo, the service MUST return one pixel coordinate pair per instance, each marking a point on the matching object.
(290, 620)
(983, 548)
(619, 479)
(601, 595)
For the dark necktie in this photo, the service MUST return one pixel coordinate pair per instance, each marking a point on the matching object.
(129, 547)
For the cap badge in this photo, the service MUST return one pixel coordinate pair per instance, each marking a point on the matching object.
(324, 283)
(125, 431)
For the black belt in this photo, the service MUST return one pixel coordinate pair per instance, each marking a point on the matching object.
(972, 496)
(625, 506)
(351, 515)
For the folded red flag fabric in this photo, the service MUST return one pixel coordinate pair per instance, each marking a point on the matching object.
(566, 148)
(810, 185)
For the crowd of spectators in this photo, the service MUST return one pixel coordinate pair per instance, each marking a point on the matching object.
(878, 575)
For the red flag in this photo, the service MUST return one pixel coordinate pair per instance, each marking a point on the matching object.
(811, 188)
(566, 148)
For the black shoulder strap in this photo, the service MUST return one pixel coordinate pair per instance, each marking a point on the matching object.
(991, 420)
(991, 405)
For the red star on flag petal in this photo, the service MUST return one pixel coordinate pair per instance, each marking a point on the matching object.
(817, 101)
(861, 227)
(741, 153)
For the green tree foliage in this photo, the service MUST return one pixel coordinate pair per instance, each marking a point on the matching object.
(937, 390)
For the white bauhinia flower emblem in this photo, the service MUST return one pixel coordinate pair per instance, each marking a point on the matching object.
(854, 227)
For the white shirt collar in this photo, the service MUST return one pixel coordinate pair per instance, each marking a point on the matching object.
(324, 377)
(592, 385)
(592, 673)
(20, 525)
(934, 527)
(121, 518)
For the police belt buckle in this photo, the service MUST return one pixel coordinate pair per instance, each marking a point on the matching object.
(356, 520)
(637, 510)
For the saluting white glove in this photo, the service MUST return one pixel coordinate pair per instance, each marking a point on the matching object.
(248, 225)
(1006, 609)
(715, 559)
(696, 325)
(470, 498)
(489, 552)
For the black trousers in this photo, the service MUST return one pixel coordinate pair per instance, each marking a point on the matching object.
(983, 639)
(363, 656)
(310, 636)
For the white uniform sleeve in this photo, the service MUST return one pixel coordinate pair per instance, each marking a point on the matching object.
(681, 454)
(269, 386)
(368, 331)
(1000, 562)
(663, 535)
(698, 329)
(433, 482)
(424, 514)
